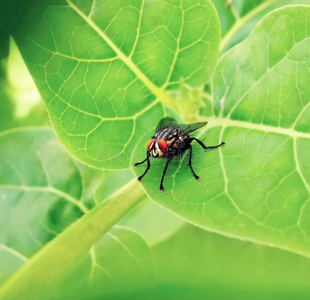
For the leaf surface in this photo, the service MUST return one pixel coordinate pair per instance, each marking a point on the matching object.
(256, 187)
(104, 68)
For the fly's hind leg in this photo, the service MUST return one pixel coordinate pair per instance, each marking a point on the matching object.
(209, 147)
(191, 153)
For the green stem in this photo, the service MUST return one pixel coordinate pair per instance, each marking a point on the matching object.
(234, 11)
(52, 263)
(240, 22)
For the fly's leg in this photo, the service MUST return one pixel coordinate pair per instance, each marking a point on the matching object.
(147, 168)
(161, 188)
(209, 147)
(190, 162)
(143, 161)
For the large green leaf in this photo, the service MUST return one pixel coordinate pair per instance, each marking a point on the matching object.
(257, 186)
(104, 68)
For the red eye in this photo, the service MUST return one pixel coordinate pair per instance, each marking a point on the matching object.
(149, 144)
(162, 144)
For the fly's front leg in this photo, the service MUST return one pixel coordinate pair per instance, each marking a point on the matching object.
(205, 147)
(147, 168)
(190, 162)
(161, 188)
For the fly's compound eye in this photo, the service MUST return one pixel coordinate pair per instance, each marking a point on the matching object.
(162, 144)
(149, 144)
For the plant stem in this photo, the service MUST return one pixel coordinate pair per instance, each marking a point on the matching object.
(47, 267)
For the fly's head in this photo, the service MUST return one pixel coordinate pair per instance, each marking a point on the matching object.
(157, 147)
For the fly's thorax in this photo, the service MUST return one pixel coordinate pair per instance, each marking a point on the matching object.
(179, 142)
(166, 133)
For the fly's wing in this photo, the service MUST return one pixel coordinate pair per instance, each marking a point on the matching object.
(188, 128)
(166, 123)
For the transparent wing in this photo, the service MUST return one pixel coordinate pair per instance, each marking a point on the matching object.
(188, 128)
(166, 123)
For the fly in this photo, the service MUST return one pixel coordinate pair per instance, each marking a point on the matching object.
(170, 140)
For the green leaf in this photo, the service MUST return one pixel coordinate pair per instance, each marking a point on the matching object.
(104, 70)
(31, 181)
(257, 186)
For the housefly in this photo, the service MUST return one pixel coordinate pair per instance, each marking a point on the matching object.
(170, 140)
